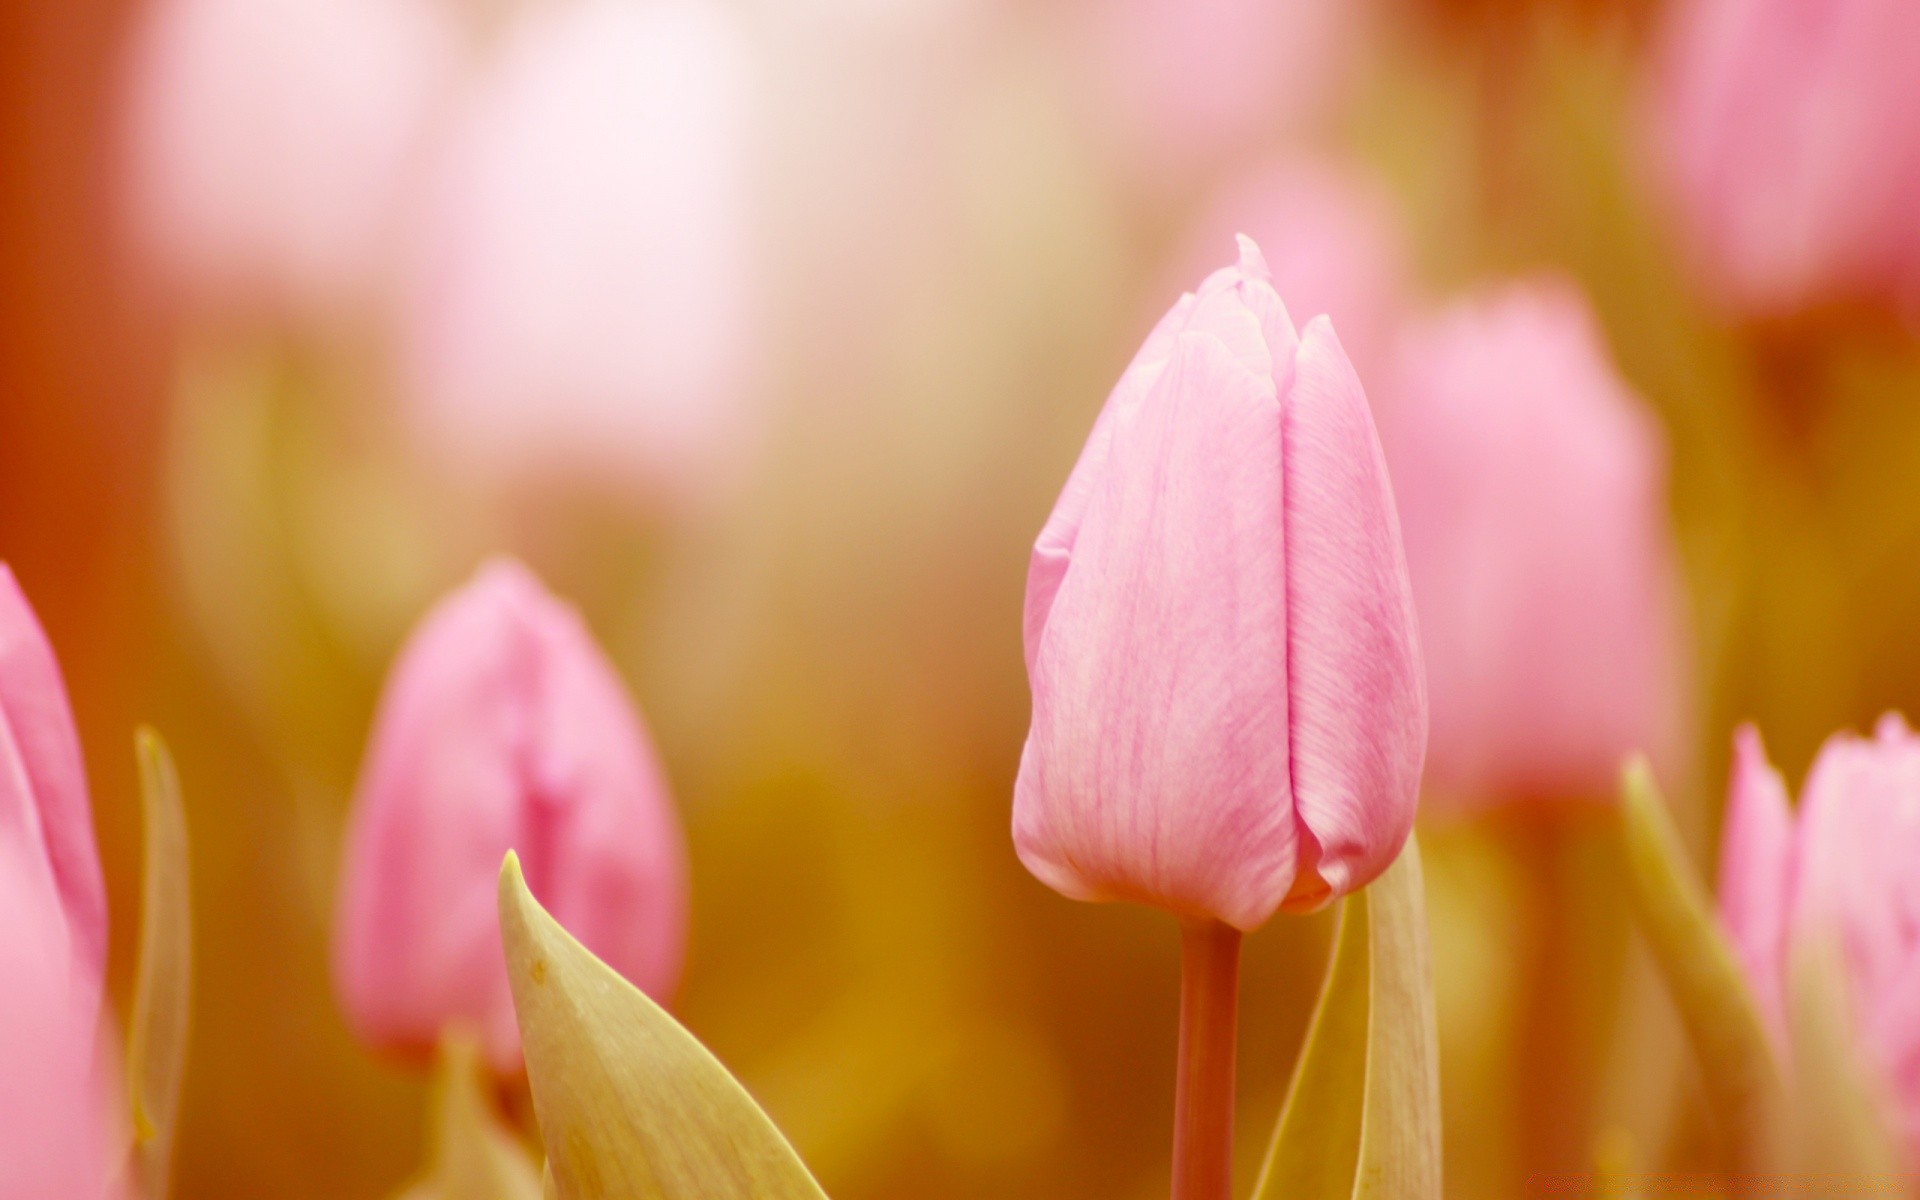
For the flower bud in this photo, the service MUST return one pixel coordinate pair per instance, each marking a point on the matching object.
(503, 727)
(1228, 708)
(1788, 132)
(274, 144)
(1841, 870)
(582, 305)
(1532, 487)
(46, 821)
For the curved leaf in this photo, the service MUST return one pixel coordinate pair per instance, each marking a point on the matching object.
(162, 994)
(1362, 1116)
(1722, 1020)
(631, 1106)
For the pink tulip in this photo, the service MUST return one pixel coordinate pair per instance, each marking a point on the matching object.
(503, 727)
(1181, 87)
(54, 1115)
(1789, 133)
(1228, 709)
(584, 301)
(1331, 236)
(46, 821)
(1843, 869)
(274, 143)
(1532, 488)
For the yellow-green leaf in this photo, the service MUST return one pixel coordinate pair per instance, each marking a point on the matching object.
(631, 1106)
(1672, 909)
(162, 994)
(1362, 1116)
(474, 1156)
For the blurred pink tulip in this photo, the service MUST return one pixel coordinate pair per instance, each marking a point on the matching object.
(1330, 234)
(55, 1123)
(1844, 869)
(46, 821)
(503, 727)
(584, 302)
(1181, 87)
(274, 144)
(1228, 709)
(1789, 132)
(1532, 489)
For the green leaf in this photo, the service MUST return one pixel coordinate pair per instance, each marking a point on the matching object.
(1672, 908)
(162, 993)
(631, 1106)
(1362, 1116)
(475, 1156)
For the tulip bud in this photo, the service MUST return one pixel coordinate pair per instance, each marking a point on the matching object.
(503, 727)
(1228, 708)
(1786, 130)
(274, 143)
(46, 821)
(54, 1115)
(583, 301)
(1532, 489)
(1841, 871)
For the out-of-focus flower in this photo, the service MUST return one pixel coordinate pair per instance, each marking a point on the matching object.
(46, 821)
(55, 1123)
(274, 144)
(1532, 490)
(1841, 870)
(1789, 131)
(503, 727)
(1228, 709)
(584, 302)
(1180, 87)
(1331, 236)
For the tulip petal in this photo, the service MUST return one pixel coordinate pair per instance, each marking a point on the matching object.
(33, 705)
(1164, 662)
(630, 1105)
(1357, 693)
(1362, 1116)
(1756, 851)
(1842, 1127)
(1717, 1008)
(163, 987)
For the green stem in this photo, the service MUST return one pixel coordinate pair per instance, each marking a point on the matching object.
(1203, 1090)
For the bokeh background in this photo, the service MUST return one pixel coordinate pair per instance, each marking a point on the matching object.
(295, 331)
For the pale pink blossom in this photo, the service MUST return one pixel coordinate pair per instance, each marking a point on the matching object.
(1841, 871)
(1228, 710)
(46, 820)
(1788, 132)
(1532, 487)
(274, 144)
(503, 727)
(584, 302)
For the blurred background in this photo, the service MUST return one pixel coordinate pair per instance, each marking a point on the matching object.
(766, 331)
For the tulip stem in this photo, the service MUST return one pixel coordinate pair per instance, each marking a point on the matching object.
(1203, 1090)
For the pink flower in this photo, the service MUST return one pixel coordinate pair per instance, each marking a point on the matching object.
(46, 821)
(1228, 710)
(584, 300)
(55, 1122)
(1789, 133)
(1330, 234)
(1532, 490)
(1181, 87)
(503, 727)
(1843, 869)
(274, 143)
